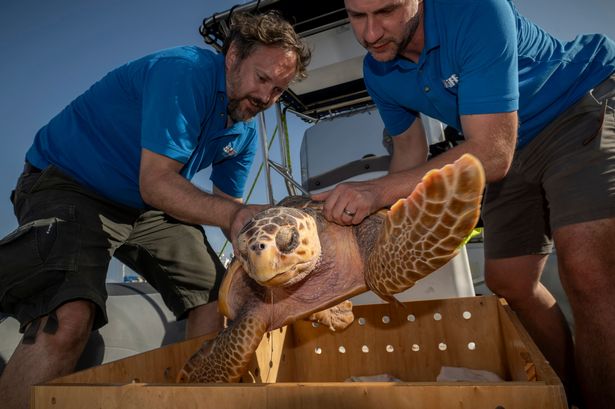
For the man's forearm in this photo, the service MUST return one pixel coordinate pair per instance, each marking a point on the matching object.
(179, 198)
(401, 184)
(489, 137)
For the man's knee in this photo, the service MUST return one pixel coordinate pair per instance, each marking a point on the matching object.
(515, 277)
(72, 327)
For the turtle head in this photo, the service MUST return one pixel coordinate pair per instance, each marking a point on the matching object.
(279, 246)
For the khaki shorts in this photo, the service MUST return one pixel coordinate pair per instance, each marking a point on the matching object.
(66, 239)
(566, 175)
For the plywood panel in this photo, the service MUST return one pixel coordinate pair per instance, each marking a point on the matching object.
(411, 343)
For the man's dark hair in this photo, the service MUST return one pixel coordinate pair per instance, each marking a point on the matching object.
(248, 31)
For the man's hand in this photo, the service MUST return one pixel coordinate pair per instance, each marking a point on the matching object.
(240, 218)
(351, 202)
(489, 137)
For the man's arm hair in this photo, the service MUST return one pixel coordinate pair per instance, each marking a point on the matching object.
(164, 188)
(409, 148)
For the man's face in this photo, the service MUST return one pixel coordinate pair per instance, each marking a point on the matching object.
(257, 82)
(384, 27)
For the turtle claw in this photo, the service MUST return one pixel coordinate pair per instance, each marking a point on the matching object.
(424, 231)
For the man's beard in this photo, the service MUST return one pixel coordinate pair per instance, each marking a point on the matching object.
(411, 29)
(232, 110)
(237, 114)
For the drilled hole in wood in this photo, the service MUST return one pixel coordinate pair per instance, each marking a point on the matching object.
(342, 349)
(437, 316)
(365, 349)
(390, 348)
(315, 324)
(416, 348)
(442, 346)
(472, 346)
(386, 319)
(411, 318)
(467, 315)
(318, 350)
(361, 321)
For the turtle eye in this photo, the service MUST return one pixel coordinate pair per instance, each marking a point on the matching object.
(287, 239)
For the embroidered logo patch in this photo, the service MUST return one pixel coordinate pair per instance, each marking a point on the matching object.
(229, 151)
(451, 81)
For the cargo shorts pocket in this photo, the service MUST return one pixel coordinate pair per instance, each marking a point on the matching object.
(34, 260)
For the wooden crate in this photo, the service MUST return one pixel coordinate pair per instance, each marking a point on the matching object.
(304, 366)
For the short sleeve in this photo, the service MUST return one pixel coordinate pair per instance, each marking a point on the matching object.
(487, 54)
(176, 97)
(396, 118)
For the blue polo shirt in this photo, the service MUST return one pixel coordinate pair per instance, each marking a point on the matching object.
(480, 57)
(172, 102)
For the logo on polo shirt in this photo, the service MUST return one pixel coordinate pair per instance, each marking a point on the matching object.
(451, 81)
(229, 151)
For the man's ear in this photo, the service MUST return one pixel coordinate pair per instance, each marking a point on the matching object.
(231, 57)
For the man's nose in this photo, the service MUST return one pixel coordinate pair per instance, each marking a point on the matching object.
(265, 95)
(373, 30)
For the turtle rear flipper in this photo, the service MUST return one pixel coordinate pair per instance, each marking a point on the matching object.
(424, 231)
(338, 317)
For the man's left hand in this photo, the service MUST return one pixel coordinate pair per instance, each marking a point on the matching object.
(240, 218)
(351, 202)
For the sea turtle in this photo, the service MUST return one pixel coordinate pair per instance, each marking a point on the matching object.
(293, 263)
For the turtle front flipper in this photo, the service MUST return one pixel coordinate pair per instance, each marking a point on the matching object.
(424, 231)
(225, 358)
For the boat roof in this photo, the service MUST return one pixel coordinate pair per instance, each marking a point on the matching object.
(335, 78)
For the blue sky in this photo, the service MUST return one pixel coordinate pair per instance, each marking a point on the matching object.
(53, 50)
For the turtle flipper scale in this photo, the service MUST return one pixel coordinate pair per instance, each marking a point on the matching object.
(225, 358)
(423, 232)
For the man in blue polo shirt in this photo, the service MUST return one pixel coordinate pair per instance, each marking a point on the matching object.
(538, 113)
(110, 175)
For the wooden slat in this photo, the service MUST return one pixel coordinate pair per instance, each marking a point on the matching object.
(524, 357)
(266, 362)
(301, 396)
(160, 365)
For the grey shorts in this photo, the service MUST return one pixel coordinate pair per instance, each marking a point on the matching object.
(66, 239)
(566, 175)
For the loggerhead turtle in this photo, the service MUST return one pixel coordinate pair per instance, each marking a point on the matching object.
(293, 263)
